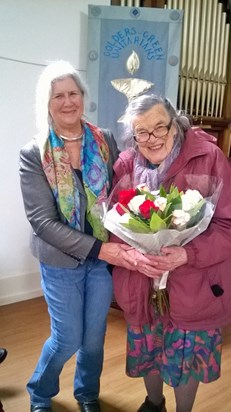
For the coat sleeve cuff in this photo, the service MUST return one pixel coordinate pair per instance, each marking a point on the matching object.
(94, 252)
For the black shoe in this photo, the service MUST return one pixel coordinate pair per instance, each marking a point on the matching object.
(91, 406)
(3, 354)
(35, 408)
(149, 406)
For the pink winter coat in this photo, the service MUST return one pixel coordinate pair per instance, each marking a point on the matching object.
(200, 291)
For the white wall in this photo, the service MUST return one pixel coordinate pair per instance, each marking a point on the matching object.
(32, 33)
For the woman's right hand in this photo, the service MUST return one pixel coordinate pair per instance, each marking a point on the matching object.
(120, 254)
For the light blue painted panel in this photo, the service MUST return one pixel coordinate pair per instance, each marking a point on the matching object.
(130, 51)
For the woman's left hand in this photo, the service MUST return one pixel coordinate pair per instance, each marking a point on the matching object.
(171, 258)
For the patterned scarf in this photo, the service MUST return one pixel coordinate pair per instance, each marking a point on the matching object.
(60, 175)
(144, 172)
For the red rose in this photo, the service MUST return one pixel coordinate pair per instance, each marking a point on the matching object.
(120, 210)
(145, 208)
(126, 195)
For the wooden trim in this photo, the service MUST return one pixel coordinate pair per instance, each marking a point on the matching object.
(154, 3)
(158, 3)
(225, 142)
(217, 123)
(115, 2)
(218, 127)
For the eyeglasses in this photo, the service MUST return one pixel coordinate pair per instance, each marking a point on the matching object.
(143, 136)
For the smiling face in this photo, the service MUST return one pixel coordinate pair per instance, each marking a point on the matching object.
(155, 149)
(66, 105)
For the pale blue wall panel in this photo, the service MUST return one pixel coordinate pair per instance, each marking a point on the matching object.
(128, 45)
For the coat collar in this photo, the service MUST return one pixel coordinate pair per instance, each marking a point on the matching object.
(195, 144)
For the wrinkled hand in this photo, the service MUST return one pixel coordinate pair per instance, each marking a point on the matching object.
(171, 258)
(116, 254)
(120, 254)
(143, 264)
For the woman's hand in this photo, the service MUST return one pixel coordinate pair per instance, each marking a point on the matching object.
(171, 258)
(115, 254)
(143, 264)
(120, 254)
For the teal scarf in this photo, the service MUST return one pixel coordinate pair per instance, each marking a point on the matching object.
(60, 175)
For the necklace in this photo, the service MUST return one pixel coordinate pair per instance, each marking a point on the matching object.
(71, 139)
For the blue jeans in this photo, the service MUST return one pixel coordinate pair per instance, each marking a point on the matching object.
(78, 302)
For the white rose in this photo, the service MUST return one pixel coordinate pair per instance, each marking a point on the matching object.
(180, 218)
(143, 186)
(160, 202)
(135, 203)
(155, 192)
(190, 199)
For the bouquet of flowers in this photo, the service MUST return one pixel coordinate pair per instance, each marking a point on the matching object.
(148, 220)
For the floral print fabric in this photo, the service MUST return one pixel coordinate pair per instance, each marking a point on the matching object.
(175, 354)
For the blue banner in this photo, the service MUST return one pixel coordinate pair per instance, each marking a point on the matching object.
(131, 51)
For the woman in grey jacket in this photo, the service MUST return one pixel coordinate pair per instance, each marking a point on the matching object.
(66, 174)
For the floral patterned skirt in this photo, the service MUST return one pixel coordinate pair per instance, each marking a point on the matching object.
(175, 354)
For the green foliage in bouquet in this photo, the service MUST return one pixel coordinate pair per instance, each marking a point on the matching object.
(150, 212)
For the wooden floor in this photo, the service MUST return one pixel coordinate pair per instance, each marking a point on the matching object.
(23, 329)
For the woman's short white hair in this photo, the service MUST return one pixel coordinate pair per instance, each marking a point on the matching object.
(57, 70)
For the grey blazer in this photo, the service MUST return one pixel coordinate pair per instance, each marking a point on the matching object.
(52, 241)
